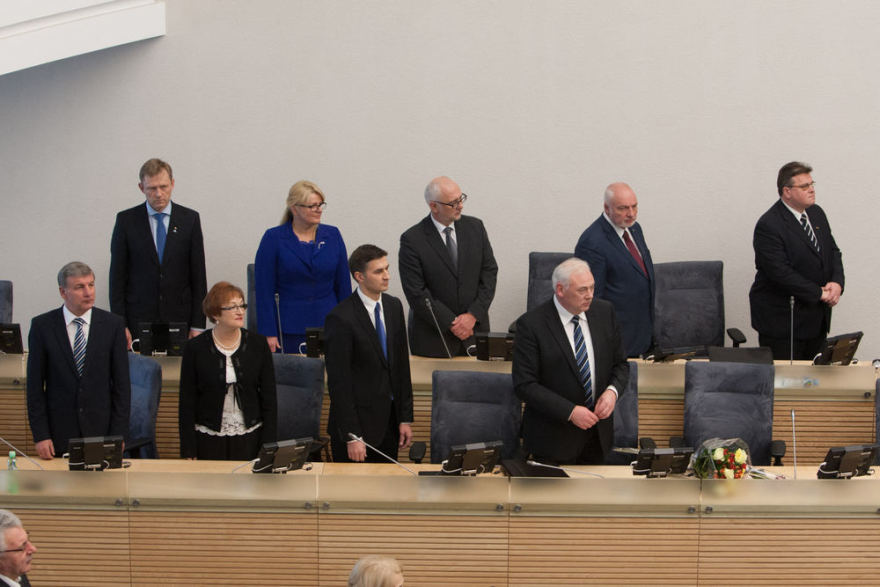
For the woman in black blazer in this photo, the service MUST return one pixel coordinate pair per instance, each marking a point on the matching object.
(227, 385)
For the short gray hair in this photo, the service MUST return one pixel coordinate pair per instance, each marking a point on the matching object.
(73, 269)
(7, 520)
(374, 571)
(563, 272)
(609, 194)
(432, 191)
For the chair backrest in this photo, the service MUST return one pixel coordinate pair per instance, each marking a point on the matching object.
(251, 299)
(729, 400)
(5, 302)
(626, 419)
(470, 406)
(729, 354)
(299, 385)
(689, 304)
(146, 384)
(541, 266)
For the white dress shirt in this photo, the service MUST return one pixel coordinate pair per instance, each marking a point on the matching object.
(71, 326)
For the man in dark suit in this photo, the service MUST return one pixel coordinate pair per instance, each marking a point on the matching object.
(157, 257)
(16, 551)
(569, 368)
(796, 258)
(77, 369)
(446, 259)
(368, 366)
(620, 261)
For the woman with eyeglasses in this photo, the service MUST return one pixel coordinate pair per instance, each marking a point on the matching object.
(227, 385)
(301, 269)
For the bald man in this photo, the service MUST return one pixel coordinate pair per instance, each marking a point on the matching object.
(618, 255)
(447, 260)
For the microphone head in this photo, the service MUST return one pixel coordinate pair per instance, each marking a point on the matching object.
(354, 436)
(428, 302)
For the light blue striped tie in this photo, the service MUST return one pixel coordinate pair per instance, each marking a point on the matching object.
(583, 361)
(79, 346)
(161, 235)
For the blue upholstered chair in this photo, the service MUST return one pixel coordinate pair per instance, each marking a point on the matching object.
(251, 299)
(689, 304)
(626, 419)
(541, 266)
(730, 400)
(299, 385)
(5, 302)
(146, 384)
(470, 406)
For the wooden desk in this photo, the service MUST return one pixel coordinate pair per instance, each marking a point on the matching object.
(834, 406)
(194, 522)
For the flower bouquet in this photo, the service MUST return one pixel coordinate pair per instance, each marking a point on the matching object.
(721, 459)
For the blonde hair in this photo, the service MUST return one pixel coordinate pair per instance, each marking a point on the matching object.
(298, 195)
(374, 571)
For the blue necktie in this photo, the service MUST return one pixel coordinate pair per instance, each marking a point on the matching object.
(161, 234)
(380, 329)
(583, 361)
(79, 346)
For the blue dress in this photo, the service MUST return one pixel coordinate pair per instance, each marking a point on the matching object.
(310, 278)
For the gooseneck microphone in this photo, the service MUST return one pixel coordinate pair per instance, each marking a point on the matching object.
(566, 469)
(791, 331)
(18, 452)
(437, 325)
(354, 436)
(278, 315)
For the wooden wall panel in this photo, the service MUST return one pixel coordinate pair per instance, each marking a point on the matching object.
(208, 548)
(432, 550)
(794, 551)
(14, 425)
(603, 551)
(660, 419)
(167, 431)
(78, 547)
(821, 425)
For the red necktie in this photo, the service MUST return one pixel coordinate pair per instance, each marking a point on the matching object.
(634, 251)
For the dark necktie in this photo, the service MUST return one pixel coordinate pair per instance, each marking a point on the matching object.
(79, 345)
(161, 234)
(634, 251)
(810, 234)
(380, 329)
(451, 247)
(583, 361)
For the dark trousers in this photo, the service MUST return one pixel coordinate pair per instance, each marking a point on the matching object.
(244, 447)
(388, 445)
(591, 452)
(804, 349)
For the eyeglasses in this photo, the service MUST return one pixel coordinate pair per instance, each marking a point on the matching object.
(454, 203)
(804, 186)
(313, 207)
(21, 548)
(234, 308)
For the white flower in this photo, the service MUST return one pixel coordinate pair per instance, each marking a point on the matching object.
(740, 456)
(718, 454)
(728, 473)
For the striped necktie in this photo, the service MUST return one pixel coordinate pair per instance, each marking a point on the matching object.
(810, 234)
(583, 361)
(161, 235)
(79, 346)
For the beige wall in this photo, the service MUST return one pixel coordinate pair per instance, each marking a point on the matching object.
(532, 106)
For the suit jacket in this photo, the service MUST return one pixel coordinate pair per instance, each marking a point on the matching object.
(309, 279)
(546, 378)
(145, 289)
(203, 387)
(360, 379)
(621, 281)
(426, 271)
(788, 265)
(61, 403)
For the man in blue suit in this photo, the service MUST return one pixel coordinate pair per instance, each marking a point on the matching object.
(615, 248)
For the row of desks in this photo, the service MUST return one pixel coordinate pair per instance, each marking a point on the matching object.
(834, 405)
(196, 522)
